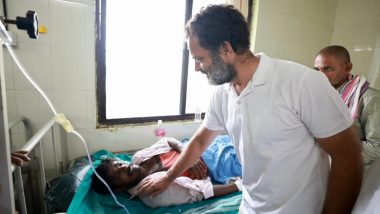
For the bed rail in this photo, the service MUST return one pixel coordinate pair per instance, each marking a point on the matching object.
(36, 170)
(18, 181)
(11, 130)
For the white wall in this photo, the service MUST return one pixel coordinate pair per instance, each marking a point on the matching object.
(297, 29)
(61, 61)
(294, 29)
(357, 27)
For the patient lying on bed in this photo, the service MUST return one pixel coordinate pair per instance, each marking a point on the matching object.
(194, 185)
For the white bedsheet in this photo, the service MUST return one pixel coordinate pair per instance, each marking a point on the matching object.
(369, 198)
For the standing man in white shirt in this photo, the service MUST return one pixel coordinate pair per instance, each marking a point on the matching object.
(284, 120)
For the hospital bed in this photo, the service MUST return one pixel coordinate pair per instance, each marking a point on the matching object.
(61, 190)
(70, 192)
(87, 201)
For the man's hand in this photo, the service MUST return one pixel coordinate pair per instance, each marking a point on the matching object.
(198, 171)
(154, 186)
(19, 157)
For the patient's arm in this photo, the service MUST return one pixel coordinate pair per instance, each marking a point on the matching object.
(198, 170)
(224, 189)
(175, 145)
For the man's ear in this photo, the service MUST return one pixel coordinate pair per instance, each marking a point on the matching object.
(226, 51)
(348, 67)
(226, 48)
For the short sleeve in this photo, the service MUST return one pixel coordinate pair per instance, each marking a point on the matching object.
(320, 106)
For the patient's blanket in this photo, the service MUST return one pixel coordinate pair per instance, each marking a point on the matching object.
(183, 190)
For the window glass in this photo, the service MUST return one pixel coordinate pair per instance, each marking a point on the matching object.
(199, 91)
(143, 60)
(143, 57)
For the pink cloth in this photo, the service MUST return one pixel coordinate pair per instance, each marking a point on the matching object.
(352, 91)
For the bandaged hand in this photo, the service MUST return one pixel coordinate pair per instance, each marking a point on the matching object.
(198, 171)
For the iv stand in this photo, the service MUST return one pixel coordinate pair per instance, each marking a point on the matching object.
(7, 202)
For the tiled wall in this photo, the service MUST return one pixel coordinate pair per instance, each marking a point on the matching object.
(294, 29)
(61, 62)
(357, 27)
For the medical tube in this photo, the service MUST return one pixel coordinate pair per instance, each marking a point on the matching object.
(61, 119)
(100, 177)
(21, 67)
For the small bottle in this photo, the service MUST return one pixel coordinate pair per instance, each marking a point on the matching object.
(197, 115)
(159, 130)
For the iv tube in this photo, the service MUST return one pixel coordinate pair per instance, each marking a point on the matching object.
(26, 74)
(10, 49)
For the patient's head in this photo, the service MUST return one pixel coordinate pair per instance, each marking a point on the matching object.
(118, 174)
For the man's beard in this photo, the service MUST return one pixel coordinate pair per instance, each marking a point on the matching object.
(219, 72)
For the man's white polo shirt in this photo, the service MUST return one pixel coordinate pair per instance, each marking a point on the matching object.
(273, 123)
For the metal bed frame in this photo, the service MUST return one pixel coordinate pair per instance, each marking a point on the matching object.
(34, 171)
(56, 134)
(11, 176)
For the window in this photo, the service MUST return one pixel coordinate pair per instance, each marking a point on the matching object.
(144, 72)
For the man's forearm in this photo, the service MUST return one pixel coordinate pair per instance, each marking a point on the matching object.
(343, 187)
(346, 172)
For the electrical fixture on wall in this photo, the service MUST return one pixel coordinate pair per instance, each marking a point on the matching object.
(28, 23)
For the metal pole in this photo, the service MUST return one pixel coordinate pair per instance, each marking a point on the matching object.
(20, 190)
(39, 153)
(7, 203)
